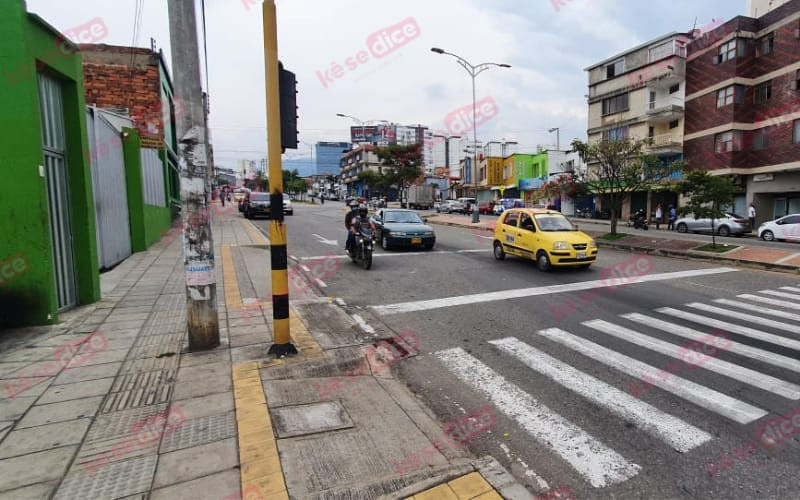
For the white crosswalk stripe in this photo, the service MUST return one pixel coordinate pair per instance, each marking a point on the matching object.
(790, 289)
(733, 328)
(599, 465)
(759, 309)
(779, 325)
(781, 294)
(767, 300)
(678, 434)
(692, 359)
(735, 347)
(709, 399)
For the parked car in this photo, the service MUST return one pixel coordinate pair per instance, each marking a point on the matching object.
(486, 208)
(507, 203)
(287, 205)
(730, 224)
(399, 227)
(545, 236)
(786, 228)
(239, 196)
(256, 204)
(467, 204)
(450, 206)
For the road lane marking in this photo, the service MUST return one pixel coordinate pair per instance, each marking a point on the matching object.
(745, 375)
(787, 258)
(707, 398)
(678, 434)
(320, 283)
(460, 300)
(403, 254)
(745, 317)
(600, 465)
(767, 300)
(745, 350)
(760, 309)
(781, 294)
(363, 324)
(733, 328)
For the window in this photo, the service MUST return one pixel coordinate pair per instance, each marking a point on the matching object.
(615, 68)
(661, 51)
(651, 132)
(527, 223)
(797, 132)
(760, 139)
(673, 124)
(675, 88)
(615, 104)
(763, 92)
(616, 134)
(796, 82)
(727, 51)
(730, 95)
(728, 141)
(766, 44)
(511, 219)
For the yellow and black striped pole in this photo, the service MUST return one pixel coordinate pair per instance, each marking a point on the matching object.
(282, 342)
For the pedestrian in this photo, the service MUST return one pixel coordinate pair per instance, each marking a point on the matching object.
(672, 216)
(751, 214)
(659, 215)
(223, 198)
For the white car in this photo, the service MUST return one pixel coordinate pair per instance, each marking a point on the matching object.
(786, 228)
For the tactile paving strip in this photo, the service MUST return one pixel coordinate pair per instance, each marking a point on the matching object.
(199, 431)
(116, 480)
(121, 423)
(171, 302)
(130, 381)
(149, 364)
(167, 339)
(155, 351)
(141, 396)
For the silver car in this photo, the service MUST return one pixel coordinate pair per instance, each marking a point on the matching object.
(730, 224)
(450, 206)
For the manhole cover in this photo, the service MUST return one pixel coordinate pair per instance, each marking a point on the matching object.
(291, 421)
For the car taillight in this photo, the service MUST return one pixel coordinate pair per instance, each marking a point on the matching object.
(740, 221)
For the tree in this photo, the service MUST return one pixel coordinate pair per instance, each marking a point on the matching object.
(707, 195)
(403, 165)
(618, 168)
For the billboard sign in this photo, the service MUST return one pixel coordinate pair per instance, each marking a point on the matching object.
(382, 135)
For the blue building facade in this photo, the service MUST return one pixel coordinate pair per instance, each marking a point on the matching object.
(329, 155)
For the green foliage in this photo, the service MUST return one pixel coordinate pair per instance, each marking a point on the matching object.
(706, 195)
(292, 182)
(402, 164)
(618, 168)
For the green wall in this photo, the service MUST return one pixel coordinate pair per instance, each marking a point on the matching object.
(527, 166)
(29, 45)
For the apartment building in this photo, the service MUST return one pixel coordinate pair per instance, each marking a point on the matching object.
(743, 107)
(356, 161)
(640, 93)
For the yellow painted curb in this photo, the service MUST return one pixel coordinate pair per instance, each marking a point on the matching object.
(466, 487)
(255, 235)
(260, 466)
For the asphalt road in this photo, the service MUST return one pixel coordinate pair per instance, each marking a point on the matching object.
(562, 371)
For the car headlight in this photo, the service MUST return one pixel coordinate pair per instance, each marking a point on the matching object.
(396, 233)
(560, 245)
(427, 233)
(592, 244)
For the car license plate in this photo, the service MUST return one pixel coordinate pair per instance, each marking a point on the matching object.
(415, 241)
(581, 255)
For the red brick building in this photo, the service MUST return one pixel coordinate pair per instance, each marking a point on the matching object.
(743, 108)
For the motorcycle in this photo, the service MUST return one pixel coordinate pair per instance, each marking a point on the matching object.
(583, 213)
(361, 251)
(638, 221)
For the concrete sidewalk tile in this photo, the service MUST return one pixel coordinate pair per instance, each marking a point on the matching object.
(32, 492)
(97, 358)
(114, 480)
(24, 355)
(221, 485)
(5, 428)
(6, 368)
(203, 406)
(84, 373)
(45, 437)
(441, 492)
(78, 390)
(35, 467)
(201, 387)
(250, 353)
(14, 409)
(269, 485)
(60, 412)
(490, 495)
(191, 463)
(199, 358)
(199, 431)
(28, 386)
(470, 486)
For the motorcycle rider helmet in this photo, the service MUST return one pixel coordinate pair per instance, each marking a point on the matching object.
(362, 210)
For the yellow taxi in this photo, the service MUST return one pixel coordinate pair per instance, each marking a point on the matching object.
(545, 236)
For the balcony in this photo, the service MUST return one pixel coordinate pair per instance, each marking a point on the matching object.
(666, 144)
(658, 113)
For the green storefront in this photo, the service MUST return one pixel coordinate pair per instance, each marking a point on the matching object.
(48, 254)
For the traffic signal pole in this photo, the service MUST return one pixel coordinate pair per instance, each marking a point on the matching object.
(282, 344)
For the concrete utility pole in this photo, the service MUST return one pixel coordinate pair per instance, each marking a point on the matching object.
(198, 244)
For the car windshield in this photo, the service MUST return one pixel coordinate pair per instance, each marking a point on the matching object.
(259, 197)
(548, 222)
(403, 217)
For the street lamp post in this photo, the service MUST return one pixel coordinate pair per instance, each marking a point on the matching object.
(474, 71)
(558, 138)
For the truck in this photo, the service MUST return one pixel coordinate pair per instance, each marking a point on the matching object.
(420, 197)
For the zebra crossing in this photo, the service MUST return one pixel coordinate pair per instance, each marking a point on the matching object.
(595, 461)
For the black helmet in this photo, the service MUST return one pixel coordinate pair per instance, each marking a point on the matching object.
(362, 210)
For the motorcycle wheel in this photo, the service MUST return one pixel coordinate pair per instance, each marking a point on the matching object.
(367, 262)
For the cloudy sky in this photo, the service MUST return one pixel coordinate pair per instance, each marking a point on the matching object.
(548, 43)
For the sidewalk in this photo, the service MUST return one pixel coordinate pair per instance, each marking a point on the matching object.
(743, 255)
(109, 404)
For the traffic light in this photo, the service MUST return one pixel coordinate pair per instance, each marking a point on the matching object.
(287, 84)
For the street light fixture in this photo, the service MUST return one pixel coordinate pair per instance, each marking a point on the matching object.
(473, 70)
(558, 138)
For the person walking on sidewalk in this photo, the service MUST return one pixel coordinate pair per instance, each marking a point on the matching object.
(659, 215)
(751, 214)
(672, 216)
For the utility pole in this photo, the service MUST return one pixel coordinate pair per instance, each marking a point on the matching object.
(198, 243)
(282, 342)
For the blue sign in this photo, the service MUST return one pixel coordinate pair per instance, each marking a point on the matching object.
(529, 184)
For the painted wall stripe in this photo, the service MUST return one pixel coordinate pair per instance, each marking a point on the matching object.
(713, 364)
(732, 328)
(779, 325)
(424, 305)
(678, 434)
(600, 465)
(719, 403)
(745, 350)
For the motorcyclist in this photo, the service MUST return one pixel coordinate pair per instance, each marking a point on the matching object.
(348, 223)
(358, 222)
